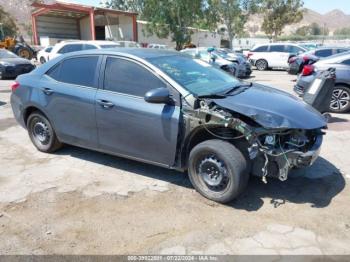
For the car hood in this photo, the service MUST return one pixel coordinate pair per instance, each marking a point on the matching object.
(16, 61)
(272, 108)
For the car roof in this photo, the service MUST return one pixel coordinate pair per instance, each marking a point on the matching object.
(144, 53)
(94, 42)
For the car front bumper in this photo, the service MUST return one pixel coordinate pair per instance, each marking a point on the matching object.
(300, 159)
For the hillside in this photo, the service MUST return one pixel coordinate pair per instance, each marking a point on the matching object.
(333, 20)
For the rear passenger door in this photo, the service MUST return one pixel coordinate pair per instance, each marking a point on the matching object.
(278, 56)
(68, 92)
(127, 124)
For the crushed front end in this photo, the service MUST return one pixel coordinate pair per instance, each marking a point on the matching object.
(272, 152)
(277, 152)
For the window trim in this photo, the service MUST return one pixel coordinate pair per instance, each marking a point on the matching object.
(103, 73)
(97, 71)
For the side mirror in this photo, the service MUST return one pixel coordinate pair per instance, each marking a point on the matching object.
(159, 96)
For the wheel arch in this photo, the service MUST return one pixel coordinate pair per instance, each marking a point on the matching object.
(199, 135)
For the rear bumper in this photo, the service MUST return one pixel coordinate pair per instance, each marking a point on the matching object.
(303, 83)
(17, 109)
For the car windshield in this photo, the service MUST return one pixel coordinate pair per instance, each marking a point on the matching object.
(198, 77)
(7, 54)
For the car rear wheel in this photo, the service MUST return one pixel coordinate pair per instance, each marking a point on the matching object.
(261, 65)
(218, 170)
(340, 102)
(42, 134)
(42, 60)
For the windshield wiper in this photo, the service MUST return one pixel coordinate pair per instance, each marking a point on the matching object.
(212, 96)
(237, 87)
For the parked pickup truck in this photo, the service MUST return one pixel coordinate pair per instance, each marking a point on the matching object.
(168, 109)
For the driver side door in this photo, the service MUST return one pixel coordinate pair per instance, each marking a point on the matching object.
(127, 124)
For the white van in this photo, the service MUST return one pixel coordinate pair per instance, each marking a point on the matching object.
(273, 55)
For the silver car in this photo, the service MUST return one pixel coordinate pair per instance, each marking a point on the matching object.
(340, 102)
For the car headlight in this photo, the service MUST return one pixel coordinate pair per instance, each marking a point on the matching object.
(3, 63)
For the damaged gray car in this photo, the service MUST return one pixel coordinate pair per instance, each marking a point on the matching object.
(167, 109)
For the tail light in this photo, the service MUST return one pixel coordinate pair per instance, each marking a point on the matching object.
(249, 55)
(14, 86)
(308, 70)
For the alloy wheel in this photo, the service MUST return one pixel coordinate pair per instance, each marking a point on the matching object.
(340, 99)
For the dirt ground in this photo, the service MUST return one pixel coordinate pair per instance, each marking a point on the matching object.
(81, 202)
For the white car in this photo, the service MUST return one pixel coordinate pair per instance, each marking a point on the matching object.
(130, 44)
(157, 46)
(274, 55)
(43, 55)
(73, 46)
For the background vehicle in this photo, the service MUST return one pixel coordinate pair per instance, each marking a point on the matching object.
(157, 46)
(213, 59)
(130, 44)
(296, 63)
(273, 55)
(43, 55)
(244, 67)
(340, 102)
(74, 46)
(18, 47)
(186, 115)
(12, 65)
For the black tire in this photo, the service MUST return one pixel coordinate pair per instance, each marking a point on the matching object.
(226, 170)
(42, 134)
(42, 60)
(261, 65)
(340, 102)
(24, 52)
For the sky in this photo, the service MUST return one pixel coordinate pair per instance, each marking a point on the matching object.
(321, 6)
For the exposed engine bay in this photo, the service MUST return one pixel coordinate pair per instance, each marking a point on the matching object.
(272, 152)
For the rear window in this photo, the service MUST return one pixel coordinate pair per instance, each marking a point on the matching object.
(260, 49)
(70, 48)
(77, 71)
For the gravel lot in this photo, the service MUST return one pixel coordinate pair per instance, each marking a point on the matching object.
(82, 202)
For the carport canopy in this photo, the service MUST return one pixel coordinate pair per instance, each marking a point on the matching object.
(62, 20)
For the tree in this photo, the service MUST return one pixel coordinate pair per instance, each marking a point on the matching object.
(8, 23)
(125, 5)
(342, 31)
(233, 14)
(278, 14)
(312, 30)
(173, 18)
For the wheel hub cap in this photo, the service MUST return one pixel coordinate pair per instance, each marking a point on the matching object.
(212, 171)
(41, 132)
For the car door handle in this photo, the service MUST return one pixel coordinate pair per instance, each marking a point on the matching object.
(105, 103)
(47, 91)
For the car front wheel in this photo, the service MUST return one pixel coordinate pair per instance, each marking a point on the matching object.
(340, 102)
(41, 133)
(218, 170)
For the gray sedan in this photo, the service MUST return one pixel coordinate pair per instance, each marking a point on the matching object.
(340, 102)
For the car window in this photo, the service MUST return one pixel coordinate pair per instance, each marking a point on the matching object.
(88, 47)
(324, 52)
(346, 62)
(261, 49)
(127, 77)
(293, 49)
(70, 48)
(338, 51)
(277, 48)
(77, 71)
